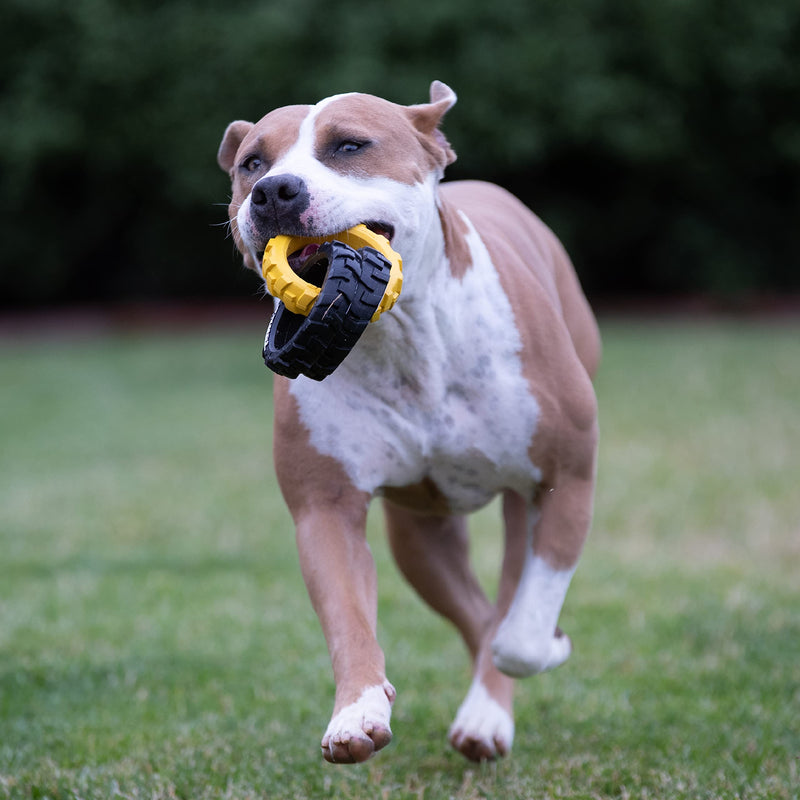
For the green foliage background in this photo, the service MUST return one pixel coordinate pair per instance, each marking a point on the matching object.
(659, 138)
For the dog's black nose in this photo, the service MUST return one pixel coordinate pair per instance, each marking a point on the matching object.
(280, 199)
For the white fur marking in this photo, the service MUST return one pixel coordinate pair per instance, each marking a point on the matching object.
(372, 711)
(525, 642)
(433, 389)
(338, 201)
(482, 719)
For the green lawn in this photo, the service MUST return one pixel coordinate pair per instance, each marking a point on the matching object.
(156, 640)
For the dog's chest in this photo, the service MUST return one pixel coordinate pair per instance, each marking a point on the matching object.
(434, 392)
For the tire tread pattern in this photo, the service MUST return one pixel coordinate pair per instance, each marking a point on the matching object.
(316, 345)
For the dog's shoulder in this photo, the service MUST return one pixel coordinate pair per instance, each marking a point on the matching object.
(521, 246)
(536, 273)
(498, 214)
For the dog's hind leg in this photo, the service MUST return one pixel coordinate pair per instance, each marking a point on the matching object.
(534, 582)
(432, 552)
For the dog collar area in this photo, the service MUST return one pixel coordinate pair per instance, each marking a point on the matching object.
(297, 294)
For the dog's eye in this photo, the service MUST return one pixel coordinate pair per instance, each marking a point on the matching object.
(350, 146)
(251, 164)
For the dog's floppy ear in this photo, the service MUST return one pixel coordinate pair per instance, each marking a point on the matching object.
(234, 135)
(427, 118)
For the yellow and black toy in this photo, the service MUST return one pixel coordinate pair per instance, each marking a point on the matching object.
(348, 281)
(299, 295)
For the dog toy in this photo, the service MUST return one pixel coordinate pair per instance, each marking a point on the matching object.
(299, 295)
(314, 344)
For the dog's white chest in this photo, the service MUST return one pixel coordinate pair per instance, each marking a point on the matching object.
(435, 391)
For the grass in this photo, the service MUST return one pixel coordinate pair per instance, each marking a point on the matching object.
(156, 640)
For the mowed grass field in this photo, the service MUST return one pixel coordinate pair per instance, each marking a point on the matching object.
(156, 640)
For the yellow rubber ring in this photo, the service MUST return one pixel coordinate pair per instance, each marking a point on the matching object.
(298, 295)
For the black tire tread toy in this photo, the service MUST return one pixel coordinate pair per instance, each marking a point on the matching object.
(353, 283)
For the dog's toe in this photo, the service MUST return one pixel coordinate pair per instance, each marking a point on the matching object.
(477, 747)
(483, 730)
(360, 729)
(352, 750)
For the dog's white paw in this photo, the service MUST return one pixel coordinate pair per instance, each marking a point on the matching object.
(518, 657)
(528, 639)
(483, 730)
(359, 730)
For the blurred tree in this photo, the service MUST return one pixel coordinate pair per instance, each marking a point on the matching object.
(660, 138)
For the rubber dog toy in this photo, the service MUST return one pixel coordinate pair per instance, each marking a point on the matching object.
(299, 295)
(315, 345)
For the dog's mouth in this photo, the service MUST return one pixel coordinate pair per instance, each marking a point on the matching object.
(382, 229)
(299, 258)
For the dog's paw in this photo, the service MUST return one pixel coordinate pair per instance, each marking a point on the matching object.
(520, 657)
(359, 730)
(483, 730)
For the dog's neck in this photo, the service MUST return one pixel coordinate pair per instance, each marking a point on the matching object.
(422, 245)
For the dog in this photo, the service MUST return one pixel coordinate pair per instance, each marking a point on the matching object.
(477, 383)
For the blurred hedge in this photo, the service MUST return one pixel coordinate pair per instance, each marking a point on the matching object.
(660, 138)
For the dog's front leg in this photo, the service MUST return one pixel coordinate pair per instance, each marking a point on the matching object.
(340, 575)
(330, 522)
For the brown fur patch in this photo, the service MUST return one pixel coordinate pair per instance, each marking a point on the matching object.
(267, 141)
(391, 145)
(455, 230)
(560, 343)
(423, 496)
(270, 138)
(308, 479)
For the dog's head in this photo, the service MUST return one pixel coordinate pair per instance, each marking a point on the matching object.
(350, 159)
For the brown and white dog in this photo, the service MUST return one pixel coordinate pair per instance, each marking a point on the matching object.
(477, 383)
